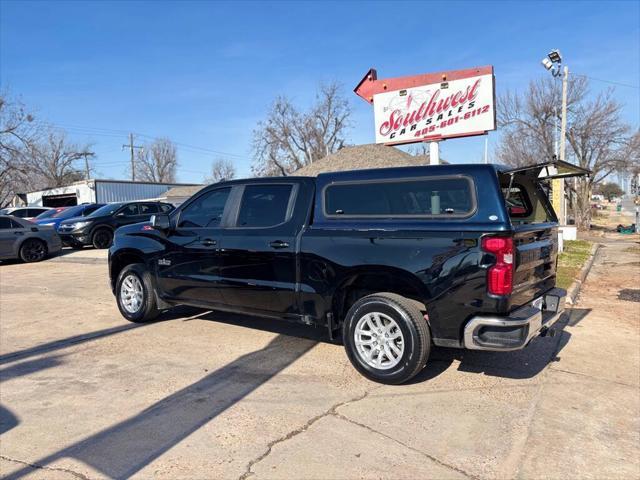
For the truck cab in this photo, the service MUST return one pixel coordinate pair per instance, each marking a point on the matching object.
(393, 260)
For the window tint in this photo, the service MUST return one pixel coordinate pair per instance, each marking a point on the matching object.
(34, 212)
(148, 208)
(517, 202)
(130, 210)
(264, 205)
(6, 223)
(22, 213)
(90, 210)
(206, 210)
(434, 196)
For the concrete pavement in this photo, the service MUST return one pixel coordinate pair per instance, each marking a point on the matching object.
(209, 395)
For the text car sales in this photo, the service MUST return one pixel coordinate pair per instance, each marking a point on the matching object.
(434, 113)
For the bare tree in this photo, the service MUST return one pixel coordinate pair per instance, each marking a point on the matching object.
(17, 132)
(52, 161)
(597, 137)
(288, 139)
(222, 169)
(157, 162)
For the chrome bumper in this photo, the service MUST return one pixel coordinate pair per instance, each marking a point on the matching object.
(515, 331)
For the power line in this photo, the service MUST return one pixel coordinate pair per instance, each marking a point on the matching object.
(608, 81)
(108, 132)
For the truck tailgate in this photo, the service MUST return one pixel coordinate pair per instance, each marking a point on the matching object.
(536, 249)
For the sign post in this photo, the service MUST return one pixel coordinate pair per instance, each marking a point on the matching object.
(431, 107)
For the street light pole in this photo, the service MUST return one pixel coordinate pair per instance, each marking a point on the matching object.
(563, 128)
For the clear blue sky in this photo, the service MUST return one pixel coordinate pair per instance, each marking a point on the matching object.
(204, 73)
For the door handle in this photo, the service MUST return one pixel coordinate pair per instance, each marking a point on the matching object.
(18, 233)
(278, 244)
(208, 242)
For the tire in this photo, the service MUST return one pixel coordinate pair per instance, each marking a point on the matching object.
(33, 250)
(135, 277)
(410, 349)
(102, 238)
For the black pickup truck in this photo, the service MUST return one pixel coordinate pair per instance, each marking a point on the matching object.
(396, 260)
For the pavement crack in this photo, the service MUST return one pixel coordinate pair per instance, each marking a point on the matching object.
(331, 411)
(598, 379)
(42, 467)
(413, 449)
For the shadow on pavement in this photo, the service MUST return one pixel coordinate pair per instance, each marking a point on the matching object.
(7, 420)
(125, 448)
(177, 312)
(29, 367)
(317, 334)
(519, 364)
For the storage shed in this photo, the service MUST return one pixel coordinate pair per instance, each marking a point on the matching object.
(99, 191)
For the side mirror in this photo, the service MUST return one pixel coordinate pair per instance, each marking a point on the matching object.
(160, 222)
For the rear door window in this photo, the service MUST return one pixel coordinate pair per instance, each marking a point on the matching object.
(148, 208)
(6, 223)
(264, 205)
(130, 210)
(427, 197)
(22, 213)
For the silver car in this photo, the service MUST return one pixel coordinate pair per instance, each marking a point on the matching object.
(27, 241)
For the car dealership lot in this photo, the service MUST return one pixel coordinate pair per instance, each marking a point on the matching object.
(210, 395)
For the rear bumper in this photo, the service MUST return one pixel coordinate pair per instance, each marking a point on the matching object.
(515, 331)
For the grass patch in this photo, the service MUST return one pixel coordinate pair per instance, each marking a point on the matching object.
(633, 249)
(576, 253)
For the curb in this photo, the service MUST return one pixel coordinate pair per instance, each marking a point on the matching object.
(574, 289)
(85, 261)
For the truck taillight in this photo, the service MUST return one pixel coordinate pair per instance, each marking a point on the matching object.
(500, 275)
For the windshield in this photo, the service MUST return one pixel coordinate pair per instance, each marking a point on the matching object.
(50, 213)
(69, 212)
(106, 210)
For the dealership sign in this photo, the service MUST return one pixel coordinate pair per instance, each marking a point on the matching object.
(462, 105)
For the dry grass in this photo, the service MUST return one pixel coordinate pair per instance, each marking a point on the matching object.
(576, 253)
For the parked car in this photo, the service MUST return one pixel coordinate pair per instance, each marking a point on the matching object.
(395, 259)
(21, 239)
(28, 213)
(49, 213)
(97, 228)
(69, 212)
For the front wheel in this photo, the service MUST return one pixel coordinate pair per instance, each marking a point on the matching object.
(102, 238)
(386, 338)
(135, 294)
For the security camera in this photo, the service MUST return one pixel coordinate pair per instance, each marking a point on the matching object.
(546, 63)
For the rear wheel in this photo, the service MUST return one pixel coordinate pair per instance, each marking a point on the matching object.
(102, 238)
(33, 250)
(386, 338)
(135, 294)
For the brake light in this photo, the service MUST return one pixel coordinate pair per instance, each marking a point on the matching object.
(500, 275)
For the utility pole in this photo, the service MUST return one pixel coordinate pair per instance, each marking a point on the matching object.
(132, 147)
(486, 149)
(563, 141)
(86, 156)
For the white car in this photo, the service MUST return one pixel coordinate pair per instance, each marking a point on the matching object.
(27, 213)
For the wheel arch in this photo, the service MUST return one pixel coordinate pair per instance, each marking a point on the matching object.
(121, 259)
(366, 280)
(26, 239)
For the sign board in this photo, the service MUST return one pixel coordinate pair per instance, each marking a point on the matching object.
(456, 108)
